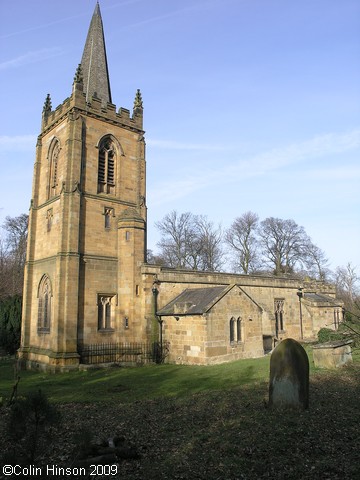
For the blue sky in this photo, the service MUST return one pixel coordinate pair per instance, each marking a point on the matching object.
(249, 104)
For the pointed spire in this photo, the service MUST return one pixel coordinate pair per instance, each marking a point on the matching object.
(138, 103)
(94, 63)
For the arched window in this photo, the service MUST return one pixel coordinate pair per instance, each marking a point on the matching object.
(232, 330)
(105, 312)
(279, 315)
(238, 329)
(54, 153)
(106, 166)
(336, 318)
(44, 305)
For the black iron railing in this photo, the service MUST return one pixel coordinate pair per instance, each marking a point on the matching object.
(123, 353)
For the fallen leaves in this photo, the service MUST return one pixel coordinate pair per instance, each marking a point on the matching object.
(228, 435)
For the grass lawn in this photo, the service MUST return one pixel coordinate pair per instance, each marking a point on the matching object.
(135, 383)
(207, 423)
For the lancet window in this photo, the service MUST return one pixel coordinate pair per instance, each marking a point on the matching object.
(238, 329)
(232, 330)
(235, 330)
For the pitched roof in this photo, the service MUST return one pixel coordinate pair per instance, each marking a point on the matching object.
(319, 298)
(194, 301)
(94, 63)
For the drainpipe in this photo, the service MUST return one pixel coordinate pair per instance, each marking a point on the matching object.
(155, 293)
(300, 295)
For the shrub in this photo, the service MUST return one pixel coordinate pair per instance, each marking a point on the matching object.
(10, 323)
(328, 335)
(29, 427)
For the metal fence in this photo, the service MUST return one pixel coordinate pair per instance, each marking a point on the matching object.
(123, 353)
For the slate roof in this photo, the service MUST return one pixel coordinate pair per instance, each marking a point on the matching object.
(94, 62)
(319, 298)
(194, 301)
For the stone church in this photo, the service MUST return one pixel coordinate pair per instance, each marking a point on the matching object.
(87, 282)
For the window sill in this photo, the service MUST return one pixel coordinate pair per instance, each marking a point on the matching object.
(106, 330)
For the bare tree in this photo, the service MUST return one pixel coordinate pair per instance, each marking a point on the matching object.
(189, 241)
(243, 243)
(282, 244)
(17, 230)
(13, 253)
(347, 281)
(316, 261)
(153, 259)
(177, 232)
(209, 241)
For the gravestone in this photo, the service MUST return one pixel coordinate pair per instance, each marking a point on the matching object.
(332, 354)
(289, 375)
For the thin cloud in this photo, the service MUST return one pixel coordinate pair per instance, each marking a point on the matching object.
(258, 165)
(175, 145)
(31, 57)
(342, 173)
(319, 146)
(65, 19)
(17, 143)
(174, 13)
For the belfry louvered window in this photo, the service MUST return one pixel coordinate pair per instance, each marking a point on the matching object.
(106, 167)
(54, 167)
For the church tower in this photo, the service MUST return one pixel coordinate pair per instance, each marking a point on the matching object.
(87, 222)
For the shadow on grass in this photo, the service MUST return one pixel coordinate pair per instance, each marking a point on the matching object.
(135, 384)
(212, 422)
(231, 434)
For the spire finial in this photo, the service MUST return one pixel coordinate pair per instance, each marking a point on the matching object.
(138, 103)
(78, 75)
(47, 105)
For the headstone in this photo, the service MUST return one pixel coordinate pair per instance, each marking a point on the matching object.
(289, 375)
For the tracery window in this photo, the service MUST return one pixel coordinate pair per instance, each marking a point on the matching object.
(44, 305)
(106, 167)
(105, 312)
(279, 315)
